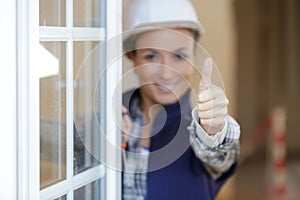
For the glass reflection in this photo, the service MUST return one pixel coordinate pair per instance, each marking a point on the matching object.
(52, 13)
(89, 192)
(87, 13)
(52, 113)
(87, 145)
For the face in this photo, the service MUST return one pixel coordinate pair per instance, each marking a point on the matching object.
(164, 64)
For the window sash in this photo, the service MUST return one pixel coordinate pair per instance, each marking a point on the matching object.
(71, 35)
(82, 179)
(29, 34)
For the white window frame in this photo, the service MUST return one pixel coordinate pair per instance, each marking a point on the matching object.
(28, 98)
(29, 34)
(114, 72)
(8, 88)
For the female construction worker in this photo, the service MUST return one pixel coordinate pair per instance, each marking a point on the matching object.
(172, 151)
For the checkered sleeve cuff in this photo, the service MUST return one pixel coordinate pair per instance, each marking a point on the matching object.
(218, 152)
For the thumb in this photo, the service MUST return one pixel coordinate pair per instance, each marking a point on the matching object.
(206, 74)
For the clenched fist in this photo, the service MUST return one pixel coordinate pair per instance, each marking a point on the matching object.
(212, 102)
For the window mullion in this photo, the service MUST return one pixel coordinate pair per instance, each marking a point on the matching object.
(88, 176)
(55, 190)
(80, 180)
(69, 100)
(69, 73)
(48, 33)
(69, 121)
(69, 13)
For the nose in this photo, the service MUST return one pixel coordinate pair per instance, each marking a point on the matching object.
(166, 70)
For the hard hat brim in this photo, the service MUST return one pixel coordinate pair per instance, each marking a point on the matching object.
(197, 27)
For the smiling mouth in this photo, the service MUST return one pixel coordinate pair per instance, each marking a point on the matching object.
(163, 88)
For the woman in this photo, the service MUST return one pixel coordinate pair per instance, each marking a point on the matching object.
(173, 151)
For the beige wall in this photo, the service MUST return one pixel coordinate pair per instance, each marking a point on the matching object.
(219, 40)
(269, 69)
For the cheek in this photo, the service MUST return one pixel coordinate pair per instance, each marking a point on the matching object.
(187, 72)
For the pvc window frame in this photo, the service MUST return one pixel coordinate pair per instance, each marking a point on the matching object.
(29, 35)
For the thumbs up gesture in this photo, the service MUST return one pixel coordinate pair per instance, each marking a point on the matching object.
(212, 102)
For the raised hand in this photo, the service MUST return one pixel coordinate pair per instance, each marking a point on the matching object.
(212, 102)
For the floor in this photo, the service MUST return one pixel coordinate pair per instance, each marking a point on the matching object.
(253, 181)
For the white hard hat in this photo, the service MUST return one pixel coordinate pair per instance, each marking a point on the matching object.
(143, 14)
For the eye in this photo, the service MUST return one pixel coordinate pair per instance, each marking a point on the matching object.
(181, 56)
(150, 57)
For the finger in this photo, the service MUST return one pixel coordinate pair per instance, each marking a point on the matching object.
(126, 123)
(215, 103)
(211, 93)
(126, 128)
(215, 122)
(212, 126)
(124, 110)
(212, 114)
(206, 74)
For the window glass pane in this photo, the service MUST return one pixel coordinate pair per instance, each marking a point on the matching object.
(87, 13)
(52, 112)
(89, 192)
(52, 12)
(87, 145)
(62, 198)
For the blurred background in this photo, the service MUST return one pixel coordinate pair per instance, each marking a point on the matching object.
(256, 46)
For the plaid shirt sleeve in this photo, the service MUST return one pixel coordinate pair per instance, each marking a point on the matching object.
(218, 152)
